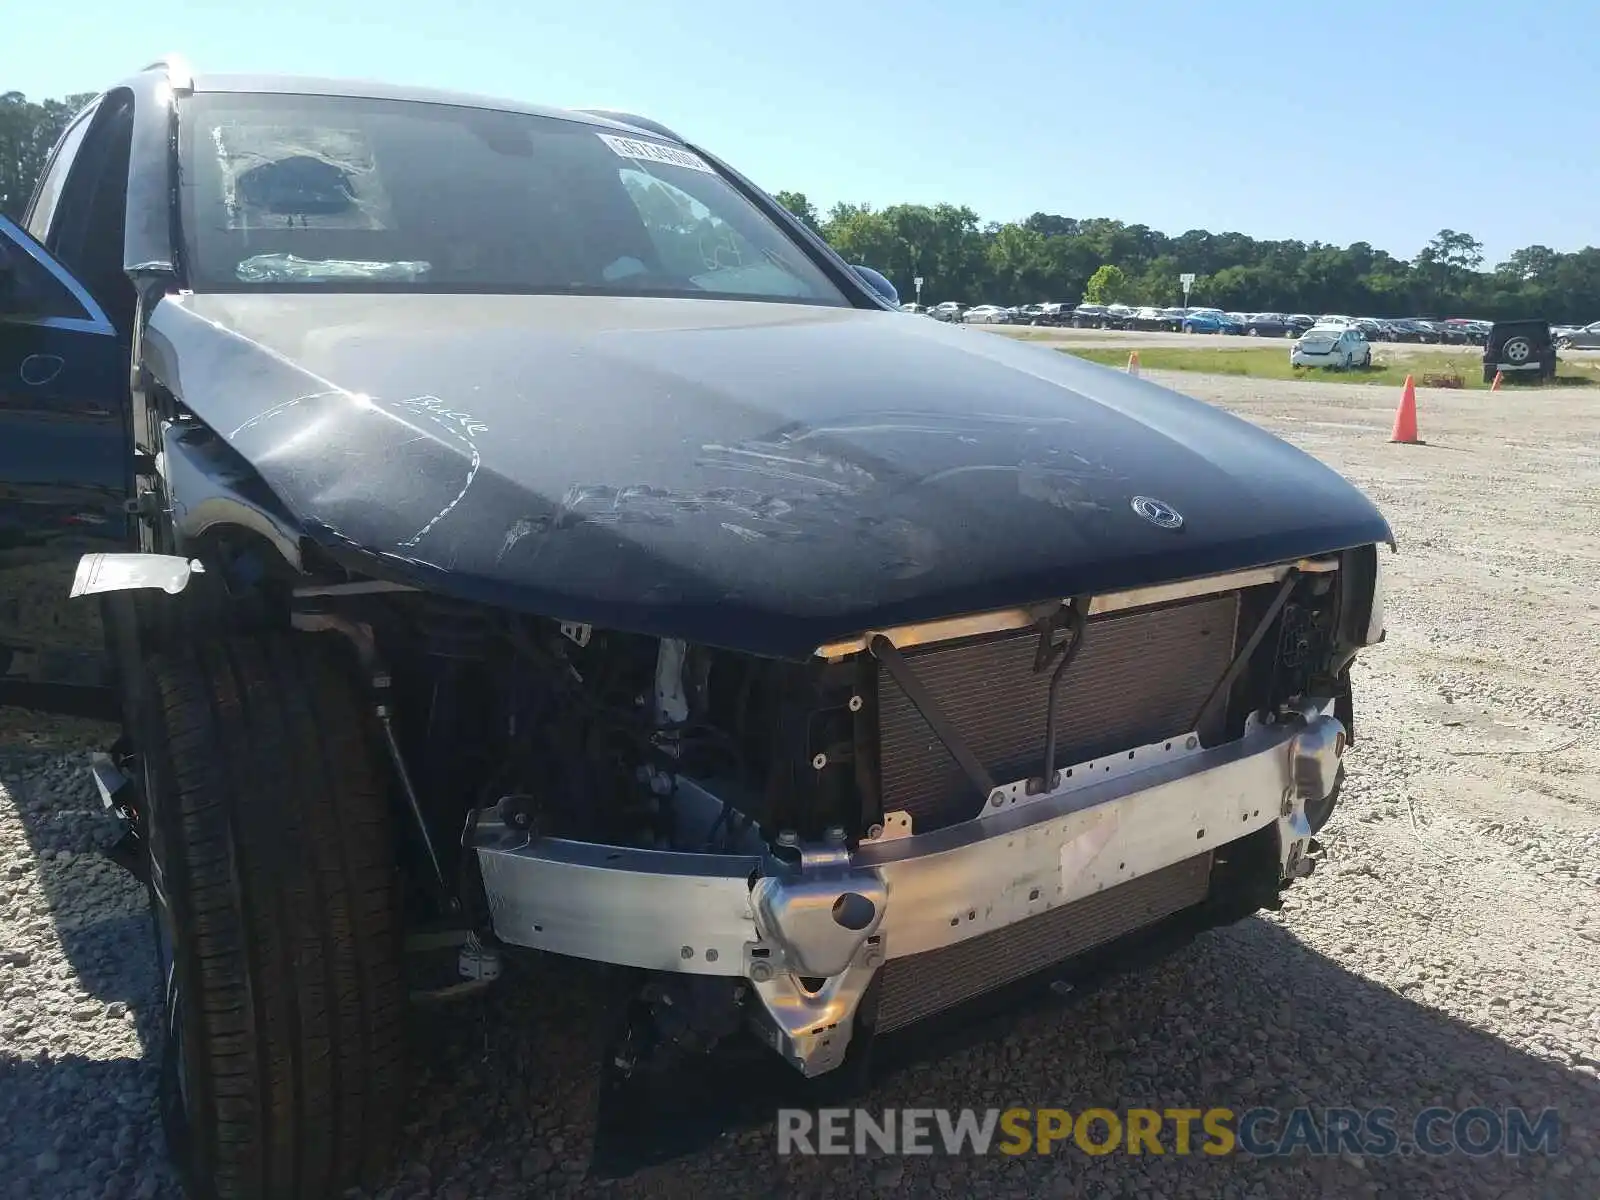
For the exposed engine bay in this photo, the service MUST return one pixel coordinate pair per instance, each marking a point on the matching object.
(571, 732)
(877, 834)
(578, 733)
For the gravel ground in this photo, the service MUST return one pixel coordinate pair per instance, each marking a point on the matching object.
(1446, 952)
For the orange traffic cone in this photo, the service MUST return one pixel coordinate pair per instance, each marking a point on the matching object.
(1499, 378)
(1133, 362)
(1405, 417)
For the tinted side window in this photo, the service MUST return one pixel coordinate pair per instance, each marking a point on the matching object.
(44, 296)
(86, 233)
(48, 194)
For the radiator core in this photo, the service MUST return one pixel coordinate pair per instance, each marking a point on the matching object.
(1139, 677)
(921, 985)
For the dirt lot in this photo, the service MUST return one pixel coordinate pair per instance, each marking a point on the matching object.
(1446, 953)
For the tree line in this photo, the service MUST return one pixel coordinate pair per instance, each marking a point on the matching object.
(1055, 258)
(27, 132)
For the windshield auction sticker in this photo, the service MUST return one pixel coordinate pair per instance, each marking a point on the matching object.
(659, 152)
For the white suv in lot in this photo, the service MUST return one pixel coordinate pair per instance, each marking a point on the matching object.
(1324, 345)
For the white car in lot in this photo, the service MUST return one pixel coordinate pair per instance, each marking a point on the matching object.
(1325, 345)
(987, 314)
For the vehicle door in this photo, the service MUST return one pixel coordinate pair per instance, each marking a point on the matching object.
(65, 469)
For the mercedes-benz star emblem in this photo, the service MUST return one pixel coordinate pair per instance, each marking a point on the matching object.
(1157, 512)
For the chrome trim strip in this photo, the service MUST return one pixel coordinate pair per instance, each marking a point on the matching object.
(949, 628)
(94, 320)
(179, 75)
(70, 324)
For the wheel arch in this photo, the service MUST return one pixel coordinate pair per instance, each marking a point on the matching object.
(231, 551)
(215, 495)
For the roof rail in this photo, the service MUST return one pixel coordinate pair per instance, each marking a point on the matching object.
(638, 122)
(177, 68)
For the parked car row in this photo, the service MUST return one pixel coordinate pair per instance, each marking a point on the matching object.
(1432, 330)
(1524, 350)
(1516, 349)
(1090, 316)
(1577, 337)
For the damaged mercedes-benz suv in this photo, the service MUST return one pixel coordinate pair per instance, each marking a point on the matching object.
(503, 529)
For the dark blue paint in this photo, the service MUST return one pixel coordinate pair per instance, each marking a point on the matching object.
(63, 479)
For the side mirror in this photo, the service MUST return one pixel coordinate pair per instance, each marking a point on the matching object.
(878, 283)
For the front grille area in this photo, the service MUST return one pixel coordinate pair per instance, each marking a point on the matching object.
(1140, 677)
(924, 984)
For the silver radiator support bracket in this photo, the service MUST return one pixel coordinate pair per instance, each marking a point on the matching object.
(838, 915)
(817, 920)
(811, 1030)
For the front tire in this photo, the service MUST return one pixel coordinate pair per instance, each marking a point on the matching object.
(276, 901)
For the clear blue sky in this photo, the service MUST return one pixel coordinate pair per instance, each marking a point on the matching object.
(1334, 121)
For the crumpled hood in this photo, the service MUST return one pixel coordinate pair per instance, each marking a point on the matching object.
(760, 476)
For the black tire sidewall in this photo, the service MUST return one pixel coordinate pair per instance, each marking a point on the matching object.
(1515, 341)
(189, 1143)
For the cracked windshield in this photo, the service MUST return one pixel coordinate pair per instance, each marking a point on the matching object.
(310, 191)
